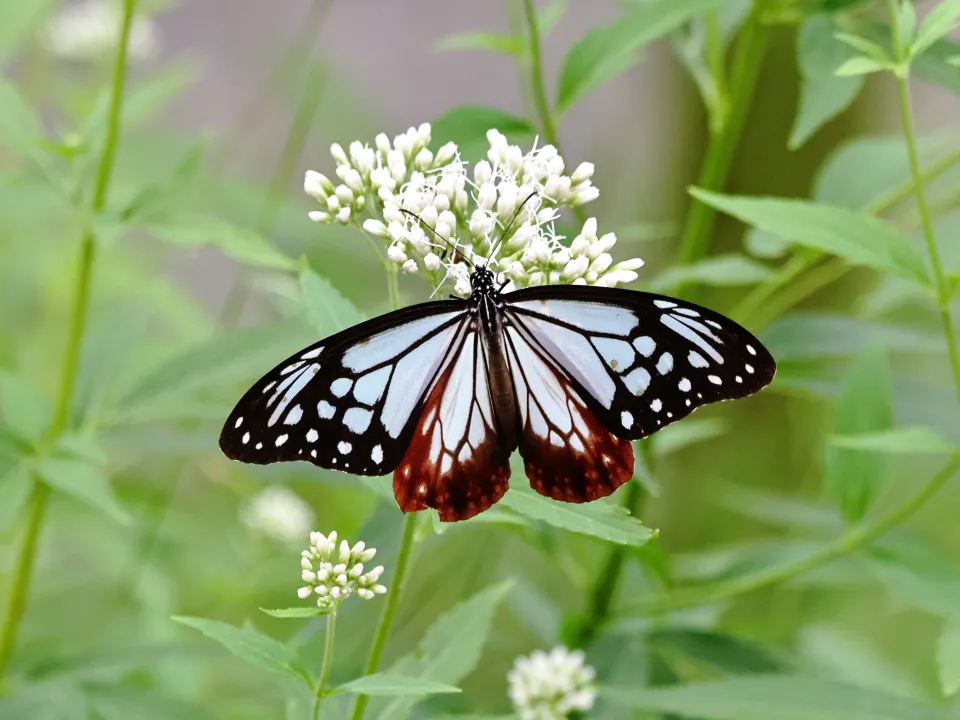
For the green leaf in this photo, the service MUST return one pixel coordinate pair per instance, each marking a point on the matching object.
(808, 336)
(25, 410)
(872, 50)
(721, 271)
(823, 95)
(550, 15)
(467, 126)
(20, 127)
(772, 698)
(295, 612)
(854, 478)
(948, 658)
(241, 244)
(451, 648)
(328, 310)
(859, 239)
(938, 23)
(597, 519)
(907, 23)
(390, 684)
(508, 44)
(83, 482)
(15, 488)
(715, 649)
(605, 52)
(678, 436)
(861, 66)
(247, 644)
(897, 441)
(954, 60)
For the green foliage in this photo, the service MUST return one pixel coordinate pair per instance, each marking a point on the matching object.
(778, 584)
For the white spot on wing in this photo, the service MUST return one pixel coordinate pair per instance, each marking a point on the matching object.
(293, 417)
(715, 379)
(585, 315)
(637, 381)
(617, 353)
(357, 419)
(246, 438)
(645, 345)
(656, 405)
(377, 454)
(312, 353)
(665, 363)
(312, 435)
(344, 447)
(664, 304)
(684, 385)
(341, 386)
(325, 410)
(388, 344)
(627, 419)
(259, 446)
(239, 422)
(751, 350)
(690, 334)
(369, 389)
(749, 368)
(697, 360)
(291, 367)
(687, 311)
(281, 440)
(555, 439)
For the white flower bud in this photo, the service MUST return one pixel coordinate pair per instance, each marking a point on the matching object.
(590, 229)
(431, 261)
(575, 268)
(441, 202)
(344, 215)
(579, 246)
(507, 202)
(579, 281)
(424, 132)
(333, 203)
(304, 592)
(391, 213)
(367, 555)
(308, 576)
(602, 263)
(462, 287)
(583, 172)
(424, 159)
(429, 215)
(318, 216)
(353, 180)
(382, 142)
(557, 187)
(341, 579)
(482, 172)
(379, 589)
(365, 594)
(345, 194)
(316, 184)
(375, 227)
(445, 154)
(305, 563)
(410, 267)
(338, 154)
(516, 270)
(460, 201)
(555, 165)
(585, 195)
(486, 196)
(335, 592)
(396, 254)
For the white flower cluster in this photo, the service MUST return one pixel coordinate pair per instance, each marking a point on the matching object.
(89, 30)
(278, 513)
(334, 576)
(439, 219)
(549, 686)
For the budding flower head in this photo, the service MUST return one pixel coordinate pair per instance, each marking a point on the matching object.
(333, 572)
(91, 29)
(549, 686)
(277, 513)
(439, 219)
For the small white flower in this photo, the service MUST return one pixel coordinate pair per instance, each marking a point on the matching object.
(550, 686)
(91, 29)
(333, 573)
(278, 513)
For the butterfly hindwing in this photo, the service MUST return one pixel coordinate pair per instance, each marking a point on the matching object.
(456, 462)
(350, 401)
(568, 454)
(640, 361)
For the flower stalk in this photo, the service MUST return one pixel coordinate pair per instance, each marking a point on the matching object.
(24, 561)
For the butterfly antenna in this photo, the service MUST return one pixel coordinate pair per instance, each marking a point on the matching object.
(506, 229)
(442, 239)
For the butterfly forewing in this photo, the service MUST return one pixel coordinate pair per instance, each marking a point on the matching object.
(350, 401)
(640, 361)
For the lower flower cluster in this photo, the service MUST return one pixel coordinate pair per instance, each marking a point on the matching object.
(334, 575)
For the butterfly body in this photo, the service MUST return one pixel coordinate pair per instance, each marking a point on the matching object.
(442, 393)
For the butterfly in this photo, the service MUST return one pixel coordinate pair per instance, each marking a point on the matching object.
(443, 392)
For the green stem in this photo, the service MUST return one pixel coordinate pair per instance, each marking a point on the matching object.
(792, 293)
(320, 689)
(293, 146)
(722, 144)
(542, 104)
(393, 287)
(909, 135)
(389, 609)
(849, 542)
(23, 565)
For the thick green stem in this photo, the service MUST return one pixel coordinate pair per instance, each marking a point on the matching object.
(849, 542)
(24, 562)
(723, 141)
(941, 284)
(320, 689)
(389, 609)
(540, 100)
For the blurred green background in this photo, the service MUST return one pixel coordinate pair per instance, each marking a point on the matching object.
(198, 287)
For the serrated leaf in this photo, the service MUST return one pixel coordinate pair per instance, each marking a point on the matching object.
(861, 66)
(948, 658)
(451, 648)
(83, 482)
(389, 684)
(854, 478)
(328, 310)
(897, 441)
(597, 519)
(857, 238)
(496, 42)
(467, 126)
(295, 612)
(605, 52)
(241, 244)
(249, 645)
(938, 23)
(766, 698)
(25, 410)
(720, 271)
(823, 95)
